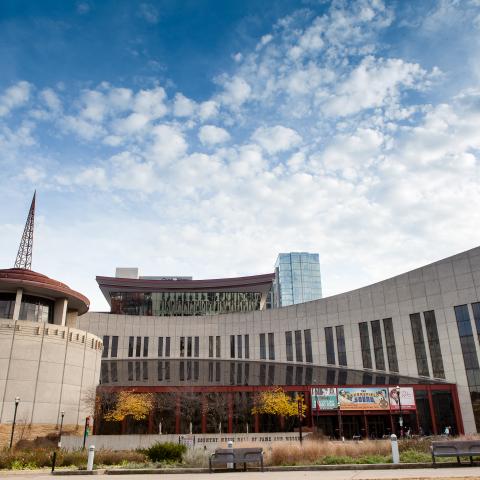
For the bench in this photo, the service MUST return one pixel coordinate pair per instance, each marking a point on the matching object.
(455, 448)
(222, 456)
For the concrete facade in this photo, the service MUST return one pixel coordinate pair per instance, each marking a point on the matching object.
(439, 286)
(50, 367)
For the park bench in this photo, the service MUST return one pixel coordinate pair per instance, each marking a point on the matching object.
(222, 456)
(455, 448)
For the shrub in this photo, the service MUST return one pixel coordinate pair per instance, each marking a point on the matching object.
(165, 452)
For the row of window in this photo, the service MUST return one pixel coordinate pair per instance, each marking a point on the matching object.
(271, 346)
(241, 347)
(330, 346)
(377, 340)
(307, 336)
(237, 373)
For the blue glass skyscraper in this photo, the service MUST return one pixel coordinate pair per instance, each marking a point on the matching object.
(297, 278)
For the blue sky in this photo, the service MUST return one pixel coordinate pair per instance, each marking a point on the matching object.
(203, 137)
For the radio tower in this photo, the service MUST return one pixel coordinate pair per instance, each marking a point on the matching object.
(24, 255)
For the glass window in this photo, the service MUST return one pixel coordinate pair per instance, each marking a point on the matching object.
(329, 345)
(378, 345)
(130, 346)
(130, 370)
(289, 346)
(145, 346)
(232, 346)
(182, 346)
(390, 344)
(114, 372)
(217, 347)
(247, 346)
(196, 347)
(263, 353)
(419, 344)
(160, 346)
(7, 305)
(210, 349)
(138, 346)
(341, 348)
(298, 346)
(476, 317)
(106, 344)
(365, 345)
(114, 352)
(271, 346)
(167, 347)
(239, 346)
(34, 309)
(189, 346)
(434, 344)
(307, 335)
(470, 358)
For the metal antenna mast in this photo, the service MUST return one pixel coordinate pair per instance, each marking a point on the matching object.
(24, 255)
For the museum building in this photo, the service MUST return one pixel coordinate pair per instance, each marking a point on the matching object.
(418, 331)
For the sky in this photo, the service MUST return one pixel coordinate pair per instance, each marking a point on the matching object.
(204, 137)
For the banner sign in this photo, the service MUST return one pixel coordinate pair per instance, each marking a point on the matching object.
(407, 398)
(363, 398)
(324, 398)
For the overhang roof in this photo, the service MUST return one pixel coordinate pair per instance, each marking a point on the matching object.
(40, 285)
(254, 283)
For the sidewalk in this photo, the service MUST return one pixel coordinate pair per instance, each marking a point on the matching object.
(412, 474)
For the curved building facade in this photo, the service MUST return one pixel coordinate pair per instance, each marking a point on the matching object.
(424, 325)
(44, 361)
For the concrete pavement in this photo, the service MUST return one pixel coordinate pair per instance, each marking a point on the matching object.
(412, 474)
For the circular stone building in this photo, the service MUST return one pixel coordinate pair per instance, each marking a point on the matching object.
(44, 362)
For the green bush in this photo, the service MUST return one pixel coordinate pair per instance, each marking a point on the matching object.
(165, 452)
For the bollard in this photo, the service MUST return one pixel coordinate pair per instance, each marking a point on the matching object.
(91, 455)
(230, 447)
(395, 452)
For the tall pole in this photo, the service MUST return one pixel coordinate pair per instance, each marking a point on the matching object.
(340, 426)
(400, 419)
(62, 413)
(300, 412)
(17, 401)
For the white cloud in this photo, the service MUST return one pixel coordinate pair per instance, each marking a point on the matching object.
(14, 97)
(183, 106)
(211, 135)
(151, 102)
(236, 91)
(51, 100)
(167, 145)
(208, 109)
(276, 139)
(131, 124)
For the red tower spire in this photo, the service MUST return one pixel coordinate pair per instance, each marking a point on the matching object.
(24, 255)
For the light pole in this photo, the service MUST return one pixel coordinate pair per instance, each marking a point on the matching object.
(340, 426)
(300, 415)
(62, 413)
(17, 401)
(400, 419)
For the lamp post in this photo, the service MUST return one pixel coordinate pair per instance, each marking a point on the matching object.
(300, 414)
(17, 401)
(400, 419)
(62, 413)
(340, 426)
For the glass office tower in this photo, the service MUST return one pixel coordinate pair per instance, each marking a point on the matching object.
(297, 278)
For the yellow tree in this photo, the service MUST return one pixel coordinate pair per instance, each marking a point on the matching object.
(277, 402)
(136, 405)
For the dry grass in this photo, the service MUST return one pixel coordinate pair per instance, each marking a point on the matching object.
(311, 452)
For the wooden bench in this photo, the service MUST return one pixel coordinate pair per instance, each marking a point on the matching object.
(222, 456)
(455, 448)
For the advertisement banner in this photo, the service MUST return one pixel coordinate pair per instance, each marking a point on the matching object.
(363, 398)
(407, 398)
(324, 398)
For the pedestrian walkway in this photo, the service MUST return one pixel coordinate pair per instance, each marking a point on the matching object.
(412, 474)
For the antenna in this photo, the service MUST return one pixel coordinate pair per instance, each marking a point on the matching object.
(24, 255)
